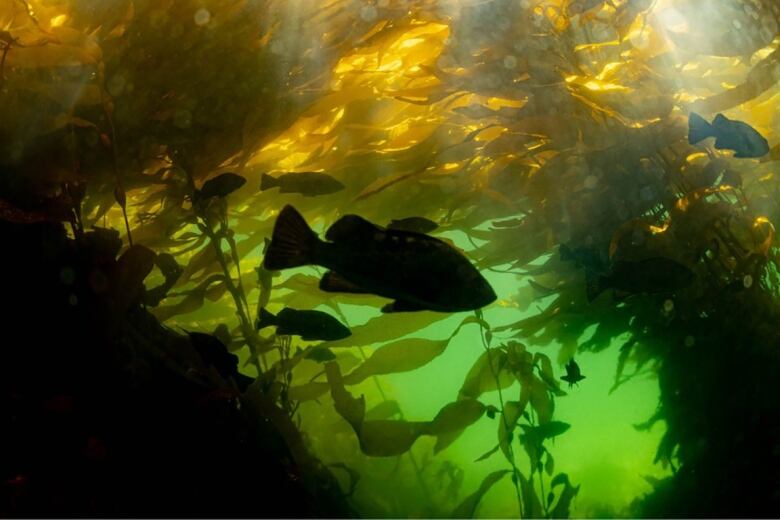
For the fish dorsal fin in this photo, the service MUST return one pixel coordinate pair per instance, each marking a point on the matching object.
(351, 227)
(720, 119)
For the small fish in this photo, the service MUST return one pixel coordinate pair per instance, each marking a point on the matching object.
(220, 186)
(415, 224)
(573, 374)
(649, 276)
(417, 271)
(215, 353)
(308, 184)
(309, 325)
(582, 257)
(729, 135)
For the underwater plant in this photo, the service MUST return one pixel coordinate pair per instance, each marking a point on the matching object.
(553, 143)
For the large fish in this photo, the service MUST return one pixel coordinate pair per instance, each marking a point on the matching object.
(417, 271)
(308, 184)
(729, 135)
(648, 276)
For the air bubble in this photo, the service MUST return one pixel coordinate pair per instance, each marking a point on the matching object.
(202, 17)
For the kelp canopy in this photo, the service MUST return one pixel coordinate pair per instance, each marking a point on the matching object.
(517, 126)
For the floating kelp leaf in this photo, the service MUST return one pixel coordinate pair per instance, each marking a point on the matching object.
(453, 419)
(383, 410)
(389, 438)
(403, 355)
(264, 281)
(549, 464)
(320, 354)
(194, 298)
(506, 426)
(468, 507)
(388, 327)
(456, 416)
(648, 424)
(532, 507)
(200, 261)
(546, 373)
(482, 376)
(308, 391)
(545, 431)
(541, 401)
(487, 454)
(561, 509)
(625, 352)
(352, 409)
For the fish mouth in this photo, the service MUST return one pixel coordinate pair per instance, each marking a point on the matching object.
(485, 294)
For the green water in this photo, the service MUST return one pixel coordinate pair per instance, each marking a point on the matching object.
(602, 452)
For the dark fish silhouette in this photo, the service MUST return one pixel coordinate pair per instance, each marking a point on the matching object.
(215, 353)
(220, 186)
(582, 257)
(415, 224)
(573, 374)
(309, 325)
(729, 135)
(650, 276)
(308, 184)
(417, 271)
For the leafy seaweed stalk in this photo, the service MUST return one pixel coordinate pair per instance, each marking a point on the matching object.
(486, 336)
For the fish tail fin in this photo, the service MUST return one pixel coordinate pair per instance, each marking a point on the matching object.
(698, 129)
(292, 243)
(594, 285)
(267, 182)
(265, 319)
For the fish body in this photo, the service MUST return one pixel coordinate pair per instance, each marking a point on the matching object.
(414, 224)
(220, 186)
(215, 353)
(308, 184)
(729, 135)
(573, 374)
(417, 271)
(648, 276)
(309, 325)
(582, 257)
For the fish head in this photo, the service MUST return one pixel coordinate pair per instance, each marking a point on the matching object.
(481, 291)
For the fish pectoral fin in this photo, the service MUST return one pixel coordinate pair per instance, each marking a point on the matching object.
(402, 306)
(282, 331)
(334, 282)
(352, 228)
